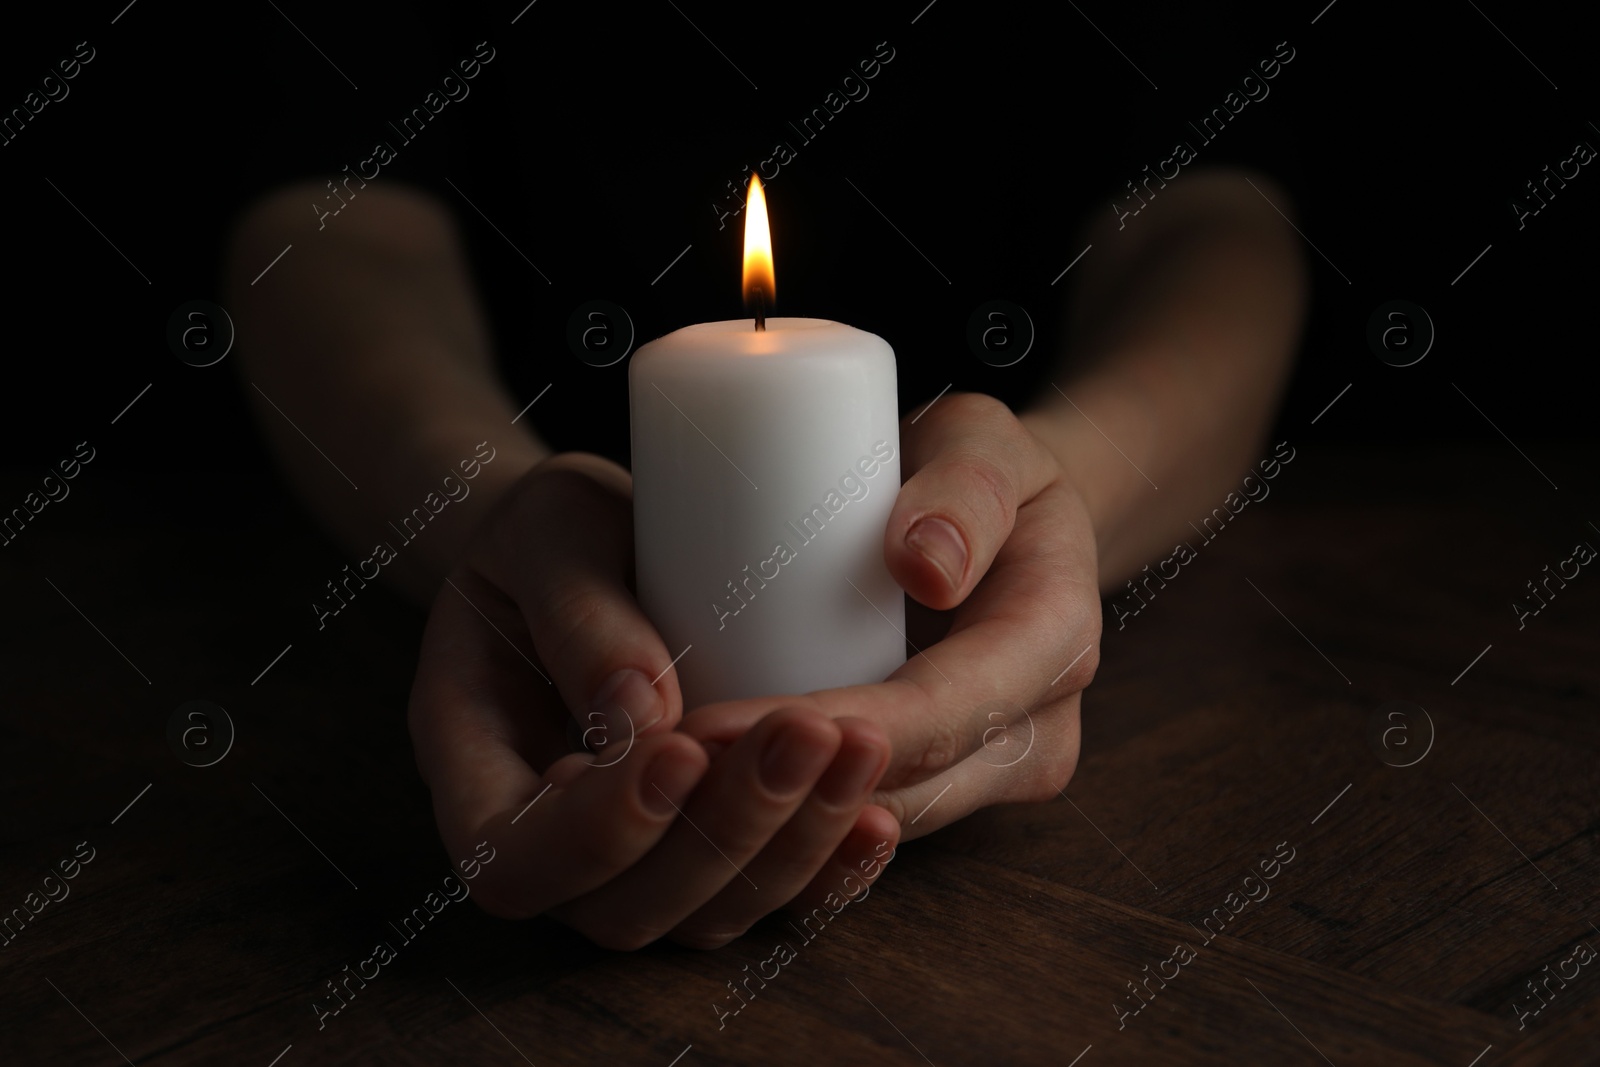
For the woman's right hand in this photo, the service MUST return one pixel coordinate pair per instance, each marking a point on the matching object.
(647, 835)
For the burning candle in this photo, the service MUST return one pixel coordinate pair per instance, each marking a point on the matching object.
(766, 459)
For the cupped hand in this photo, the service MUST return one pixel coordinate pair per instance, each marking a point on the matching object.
(987, 532)
(645, 835)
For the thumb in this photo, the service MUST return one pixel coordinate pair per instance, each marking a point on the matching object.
(563, 553)
(974, 465)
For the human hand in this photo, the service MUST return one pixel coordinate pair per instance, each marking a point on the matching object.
(651, 836)
(987, 532)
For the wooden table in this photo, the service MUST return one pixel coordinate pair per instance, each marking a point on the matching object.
(1230, 719)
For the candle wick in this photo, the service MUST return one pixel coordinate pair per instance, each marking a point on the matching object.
(761, 309)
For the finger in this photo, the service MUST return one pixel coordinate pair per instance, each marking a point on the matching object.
(1029, 632)
(749, 794)
(564, 842)
(854, 866)
(603, 655)
(478, 736)
(974, 466)
(472, 671)
(1029, 760)
(798, 851)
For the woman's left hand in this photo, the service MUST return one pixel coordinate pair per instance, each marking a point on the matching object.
(988, 533)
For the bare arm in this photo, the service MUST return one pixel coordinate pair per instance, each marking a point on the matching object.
(371, 339)
(369, 336)
(1184, 327)
(372, 342)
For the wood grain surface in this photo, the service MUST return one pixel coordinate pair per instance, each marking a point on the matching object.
(1240, 713)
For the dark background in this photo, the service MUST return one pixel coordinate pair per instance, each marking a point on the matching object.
(598, 139)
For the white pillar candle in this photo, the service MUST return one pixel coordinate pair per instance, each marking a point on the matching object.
(766, 459)
(765, 465)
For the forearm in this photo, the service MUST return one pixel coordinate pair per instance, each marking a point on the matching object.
(368, 337)
(1180, 345)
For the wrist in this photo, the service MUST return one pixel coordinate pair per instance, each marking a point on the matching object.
(448, 478)
(1101, 431)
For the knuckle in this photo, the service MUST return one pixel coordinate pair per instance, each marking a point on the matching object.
(1059, 762)
(976, 409)
(940, 749)
(1083, 629)
(894, 802)
(1038, 451)
(942, 742)
(1030, 789)
(987, 490)
(1083, 672)
(1049, 776)
(1038, 789)
(577, 603)
(573, 599)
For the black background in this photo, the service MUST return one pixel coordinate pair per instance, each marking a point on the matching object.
(597, 140)
(599, 137)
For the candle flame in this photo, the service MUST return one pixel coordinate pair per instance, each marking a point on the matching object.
(759, 281)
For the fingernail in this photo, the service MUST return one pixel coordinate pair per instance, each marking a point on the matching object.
(792, 760)
(846, 780)
(628, 705)
(940, 543)
(668, 783)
